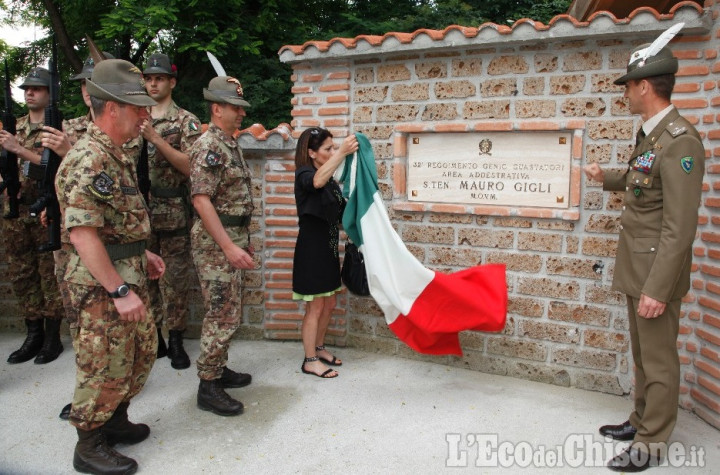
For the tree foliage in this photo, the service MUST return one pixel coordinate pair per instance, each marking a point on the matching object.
(244, 34)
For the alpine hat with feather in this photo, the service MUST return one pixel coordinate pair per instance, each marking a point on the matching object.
(119, 81)
(88, 67)
(652, 59)
(225, 89)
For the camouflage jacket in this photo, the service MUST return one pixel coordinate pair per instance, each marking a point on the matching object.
(97, 187)
(218, 169)
(76, 128)
(180, 129)
(28, 136)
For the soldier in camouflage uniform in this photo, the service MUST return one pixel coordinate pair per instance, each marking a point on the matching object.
(32, 272)
(114, 339)
(61, 141)
(221, 195)
(172, 131)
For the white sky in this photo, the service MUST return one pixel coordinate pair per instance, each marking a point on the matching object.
(16, 36)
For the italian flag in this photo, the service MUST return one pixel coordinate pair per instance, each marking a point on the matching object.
(424, 308)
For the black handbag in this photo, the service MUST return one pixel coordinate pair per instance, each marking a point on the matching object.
(353, 271)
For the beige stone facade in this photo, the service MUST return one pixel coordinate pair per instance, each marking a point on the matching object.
(565, 326)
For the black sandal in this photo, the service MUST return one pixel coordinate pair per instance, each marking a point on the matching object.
(333, 362)
(324, 375)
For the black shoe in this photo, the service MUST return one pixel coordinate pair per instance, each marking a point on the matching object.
(118, 429)
(162, 349)
(94, 455)
(52, 346)
(179, 359)
(32, 345)
(212, 397)
(624, 431)
(632, 460)
(65, 412)
(231, 379)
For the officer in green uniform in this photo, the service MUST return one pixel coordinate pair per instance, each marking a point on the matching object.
(222, 197)
(32, 272)
(106, 275)
(662, 185)
(169, 135)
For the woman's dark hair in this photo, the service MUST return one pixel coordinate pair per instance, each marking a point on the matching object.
(311, 139)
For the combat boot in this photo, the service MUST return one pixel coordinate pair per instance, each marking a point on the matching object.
(212, 397)
(118, 429)
(232, 379)
(162, 349)
(179, 359)
(32, 344)
(65, 412)
(94, 455)
(52, 347)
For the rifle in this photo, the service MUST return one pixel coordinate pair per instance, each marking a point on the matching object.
(143, 172)
(8, 160)
(50, 161)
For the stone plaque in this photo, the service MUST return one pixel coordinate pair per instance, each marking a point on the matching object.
(516, 169)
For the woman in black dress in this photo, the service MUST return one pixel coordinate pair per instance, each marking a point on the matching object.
(316, 265)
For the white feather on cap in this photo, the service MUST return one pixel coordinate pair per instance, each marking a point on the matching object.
(656, 45)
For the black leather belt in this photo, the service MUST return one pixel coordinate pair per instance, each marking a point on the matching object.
(170, 233)
(177, 192)
(234, 221)
(128, 249)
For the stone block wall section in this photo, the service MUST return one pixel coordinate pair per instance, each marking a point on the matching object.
(565, 325)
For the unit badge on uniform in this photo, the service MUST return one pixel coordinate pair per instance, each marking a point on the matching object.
(101, 186)
(687, 164)
(213, 159)
(644, 162)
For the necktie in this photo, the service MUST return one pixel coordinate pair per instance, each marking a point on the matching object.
(640, 137)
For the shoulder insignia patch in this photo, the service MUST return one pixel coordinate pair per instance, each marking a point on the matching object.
(676, 130)
(213, 159)
(193, 126)
(687, 164)
(101, 186)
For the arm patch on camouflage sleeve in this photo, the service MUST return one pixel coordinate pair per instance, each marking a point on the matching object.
(101, 186)
(213, 159)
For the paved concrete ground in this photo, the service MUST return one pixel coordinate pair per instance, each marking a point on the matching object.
(381, 415)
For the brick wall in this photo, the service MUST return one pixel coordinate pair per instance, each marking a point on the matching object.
(565, 325)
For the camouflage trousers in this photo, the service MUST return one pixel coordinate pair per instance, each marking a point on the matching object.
(169, 294)
(62, 257)
(220, 284)
(113, 357)
(31, 272)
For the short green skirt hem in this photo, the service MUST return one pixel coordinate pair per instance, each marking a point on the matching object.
(310, 298)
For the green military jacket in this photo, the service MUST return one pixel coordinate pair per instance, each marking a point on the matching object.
(663, 184)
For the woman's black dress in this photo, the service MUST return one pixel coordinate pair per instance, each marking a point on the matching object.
(316, 264)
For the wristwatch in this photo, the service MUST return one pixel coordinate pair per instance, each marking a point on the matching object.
(121, 291)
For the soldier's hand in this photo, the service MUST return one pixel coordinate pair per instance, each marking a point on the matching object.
(56, 140)
(43, 218)
(155, 265)
(594, 172)
(8, 141)
(131, 307)
(649, 307)
(239, 258)
(148, 132)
